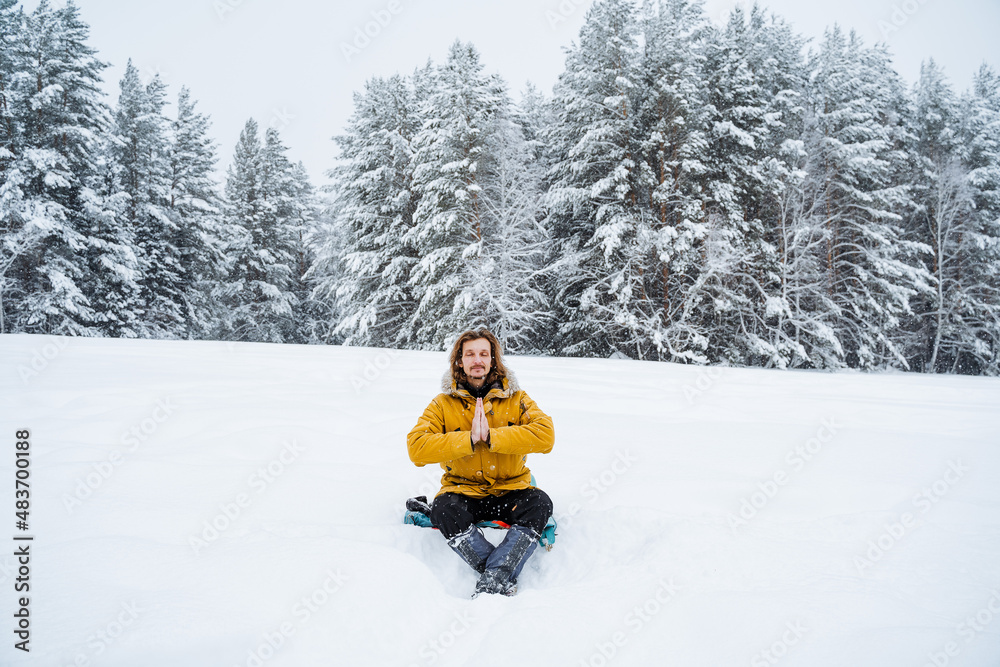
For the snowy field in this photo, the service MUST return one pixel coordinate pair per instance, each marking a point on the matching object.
(199, 503)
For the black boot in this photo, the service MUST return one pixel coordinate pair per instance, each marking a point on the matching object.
(419, 504)
(506, 562)
(473, 547)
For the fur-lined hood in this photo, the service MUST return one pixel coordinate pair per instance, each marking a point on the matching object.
(509, 386)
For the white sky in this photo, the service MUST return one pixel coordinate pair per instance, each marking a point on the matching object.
(283, 62)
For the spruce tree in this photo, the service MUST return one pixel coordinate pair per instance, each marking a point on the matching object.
(364, 265)
(11, 63)
(674, 148)
(288, 214)
(55, 112)
(942, 204)
(142, 154)
(260, 248)
(754, 82)
(239, 293)
(16, 238)
(977, 278)
(447, 230)
(113, 273)
(313, 315)
(853, 136)
(196, 211)
(601, 226)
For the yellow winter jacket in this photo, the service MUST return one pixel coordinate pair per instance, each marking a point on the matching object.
(517, 428)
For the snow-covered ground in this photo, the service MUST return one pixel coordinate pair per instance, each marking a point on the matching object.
(198, 503)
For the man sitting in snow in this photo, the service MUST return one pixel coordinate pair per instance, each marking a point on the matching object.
(481, 429)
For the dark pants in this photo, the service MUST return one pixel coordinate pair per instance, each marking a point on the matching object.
(453, 513)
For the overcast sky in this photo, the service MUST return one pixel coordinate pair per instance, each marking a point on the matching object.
(294, 64)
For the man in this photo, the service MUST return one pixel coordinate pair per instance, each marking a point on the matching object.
(481, 429)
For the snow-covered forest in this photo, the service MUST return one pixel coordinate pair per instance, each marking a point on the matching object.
(687, 192)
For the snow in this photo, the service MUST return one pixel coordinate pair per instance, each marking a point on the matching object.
(871, 509)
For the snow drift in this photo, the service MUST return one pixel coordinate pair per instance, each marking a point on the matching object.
(201, 503)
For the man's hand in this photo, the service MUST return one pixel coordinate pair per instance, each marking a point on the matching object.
(480, 426)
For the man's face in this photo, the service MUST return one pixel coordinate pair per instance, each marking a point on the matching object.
(476, 358)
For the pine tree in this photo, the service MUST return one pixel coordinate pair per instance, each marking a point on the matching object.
(447, 227)
(601, 228)
(51, 116)
(975, 282)
(113, 271)
(534, 113)
(674, 146)
(261, 242)
(11, 63)
(365, 265)
(142, 155)
(313, 314)
(754, 81)
(16, 239)
(853, 136)
(326, 272)
(288, 214)
(942, 203)
(196, 210)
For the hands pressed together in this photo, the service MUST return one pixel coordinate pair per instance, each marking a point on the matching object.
(480, 427)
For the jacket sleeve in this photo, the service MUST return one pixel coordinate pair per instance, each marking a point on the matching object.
(535, 436)
(428, 442)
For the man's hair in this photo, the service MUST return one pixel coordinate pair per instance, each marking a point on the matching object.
(497, 370)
